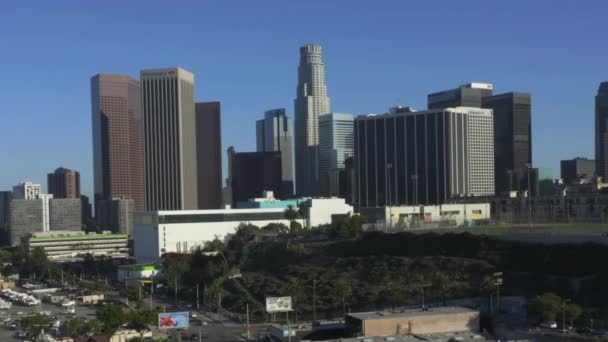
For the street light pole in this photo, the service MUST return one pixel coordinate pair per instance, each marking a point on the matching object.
(529, 199)
(197, 301)
(389, 167)
(564, 316)
(314, 300)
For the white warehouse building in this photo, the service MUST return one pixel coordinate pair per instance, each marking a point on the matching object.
(182, 231)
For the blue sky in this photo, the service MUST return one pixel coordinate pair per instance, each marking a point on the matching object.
(245, 54)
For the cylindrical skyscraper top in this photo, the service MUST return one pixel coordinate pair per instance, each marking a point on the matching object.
(311, 53)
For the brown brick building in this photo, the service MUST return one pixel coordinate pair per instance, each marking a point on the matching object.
(64, 183)
(117, 138)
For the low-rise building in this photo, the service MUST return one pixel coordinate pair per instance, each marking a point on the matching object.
(427, 216)
(182, 231)
(70, 245)
(412, 322)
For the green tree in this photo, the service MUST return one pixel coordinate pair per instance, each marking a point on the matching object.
(291, 214)
(441, 283)
(276, 228)
(38, 262)
(75, 327)
(303, 210)
(34, 325)
(573, 312)
(175, 271)
(545, 306)
(215, 245)
(140, 320)
(344, 290)
(111, 317)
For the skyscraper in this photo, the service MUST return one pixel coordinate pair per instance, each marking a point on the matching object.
(336, 143)
(118, 164)
(601, 131)
(64, 183)
(512, 139)
(274, 133)
(209, 154)
(311, 101)
(170, 161)
(426, 157)
(5, 199)
(574, 170)
(251, 173)
(467, 95)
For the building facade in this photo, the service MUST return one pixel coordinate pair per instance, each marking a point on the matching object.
(209, 154)
(117, 215)
(252, 173)
(577, 170)
(311, 101)
(274, 133)
(5, 199)
(160, 232)
(73, 246)
(64, 183)
(427, 157)
(26, 190)
(467, 95)
(601, 131)
(42, 214)
(118, 164)
(170, 160)
(336, 143)
(512, 139)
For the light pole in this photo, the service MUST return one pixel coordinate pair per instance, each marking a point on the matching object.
(389, 167)
(497, 282)
(314, 300)
(566, 301)
(529, 199)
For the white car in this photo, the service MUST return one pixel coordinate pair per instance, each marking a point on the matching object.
(68, 303)
(192, 314)
(549, 325)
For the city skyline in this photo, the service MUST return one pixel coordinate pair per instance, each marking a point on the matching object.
(345, 59)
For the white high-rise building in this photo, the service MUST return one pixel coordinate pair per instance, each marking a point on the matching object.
(336, 143)
(26, 190)
(170, 170)
(274, 133)
(311, 101)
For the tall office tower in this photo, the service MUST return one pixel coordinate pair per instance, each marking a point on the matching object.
(26, 190)
(209, 154)
(336, 143)
(426, 157)
(577, 169)
(274, 133)
(467, 95)
(601, 131)
(5, 199)
(311, 101)
(251, 173)
(512, 140)
(169, 139)
(117, 215)
(118, 160)
(64, 183)
(65, 214)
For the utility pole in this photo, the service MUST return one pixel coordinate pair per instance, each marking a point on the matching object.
(176, 291)
(498, 283)
(247, 321)
(197, 305)
(389, 167)
(566, 301)
(314, 300)
(529, 200)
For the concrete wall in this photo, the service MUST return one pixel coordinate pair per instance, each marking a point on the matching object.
(422, 324)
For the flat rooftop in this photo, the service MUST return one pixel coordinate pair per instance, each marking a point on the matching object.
(442, 310)
(460, 337)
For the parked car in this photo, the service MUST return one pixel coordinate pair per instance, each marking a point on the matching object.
(549, 325)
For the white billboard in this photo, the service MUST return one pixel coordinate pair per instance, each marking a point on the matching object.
(278, 304)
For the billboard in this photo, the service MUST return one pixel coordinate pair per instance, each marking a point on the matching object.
(173, 320)
(278, 304)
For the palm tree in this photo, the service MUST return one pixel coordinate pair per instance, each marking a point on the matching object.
(303, 209)
(291, 214)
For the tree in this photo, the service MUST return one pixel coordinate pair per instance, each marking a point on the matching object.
(38, 262)
(111, 317)
(276, 228)
(303, 210)
(573, 312)
(545, 306)
(441, 283)
(344, 289)
(75, 327)
(291, 214)
(34, 325)
(140, 320)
